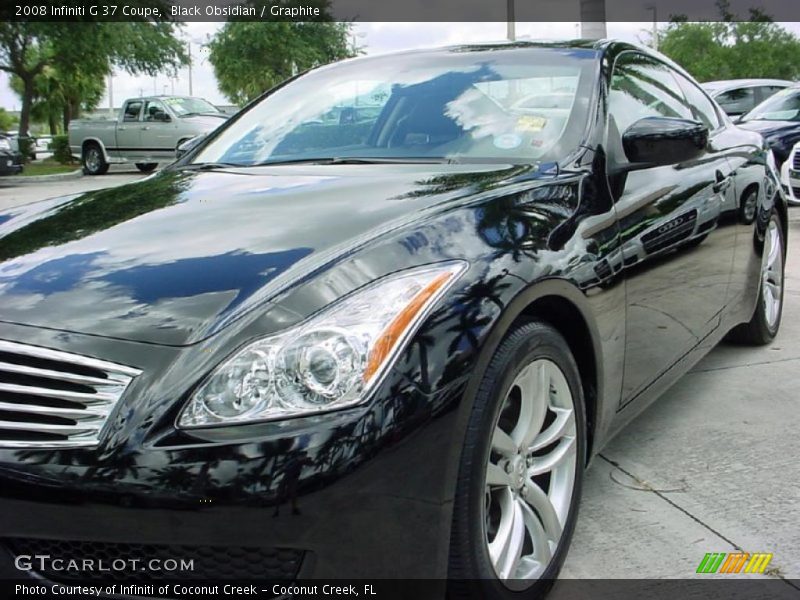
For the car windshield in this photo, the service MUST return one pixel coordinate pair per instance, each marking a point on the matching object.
(783, 106)
(493, 104)
(190, 106)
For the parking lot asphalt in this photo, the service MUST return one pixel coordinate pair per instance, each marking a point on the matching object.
(712, 466)
(13, 195)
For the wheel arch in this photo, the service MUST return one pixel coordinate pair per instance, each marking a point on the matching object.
(562, 305)
(96, 141)
(566, 318)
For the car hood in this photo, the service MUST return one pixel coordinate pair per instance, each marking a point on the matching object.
(171, 259)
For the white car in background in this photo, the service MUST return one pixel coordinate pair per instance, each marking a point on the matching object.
(739, 96)
(790, 176)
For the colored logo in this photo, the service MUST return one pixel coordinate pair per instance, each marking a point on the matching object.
(734, 562)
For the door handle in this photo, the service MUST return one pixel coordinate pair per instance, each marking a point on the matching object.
(723, 182)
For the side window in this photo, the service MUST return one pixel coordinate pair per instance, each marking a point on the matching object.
(738, 101)
(642, 87)
(767, 91)
(702, 106)
(132, 110)
(153, 109)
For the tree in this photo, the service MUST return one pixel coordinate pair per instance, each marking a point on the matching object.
(22, 54)
(83, 53)
(251, 57)
(7, 121)
(731, 49)
(60, 93)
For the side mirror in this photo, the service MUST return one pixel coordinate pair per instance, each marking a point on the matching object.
(184, 147)
(660, 141)
(162, 116)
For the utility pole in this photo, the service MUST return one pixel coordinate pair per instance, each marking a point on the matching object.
(511, 32)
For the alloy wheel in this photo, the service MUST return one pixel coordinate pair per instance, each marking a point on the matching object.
(772, 274)
(749, 207)
(530, 474)
(93, 159)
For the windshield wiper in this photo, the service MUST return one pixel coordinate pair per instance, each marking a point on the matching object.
(200, 114)
(357, 160)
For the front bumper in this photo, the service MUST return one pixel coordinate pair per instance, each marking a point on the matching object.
(356, 494)
(11, 163)
(790, 179)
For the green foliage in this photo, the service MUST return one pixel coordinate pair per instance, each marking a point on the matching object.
(76, 57)
(732, 49)
(61, 92)
(60, 148)
(252, 57)
(7, 121)
(26, 145)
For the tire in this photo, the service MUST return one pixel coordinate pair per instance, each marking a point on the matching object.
(94, 163)
(146, 167)
(766, 321)
(749, 205)
(482, 508)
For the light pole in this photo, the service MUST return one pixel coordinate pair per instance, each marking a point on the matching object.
(189, 43)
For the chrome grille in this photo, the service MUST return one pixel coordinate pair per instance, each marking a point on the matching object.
(795, 159)
(50, 398)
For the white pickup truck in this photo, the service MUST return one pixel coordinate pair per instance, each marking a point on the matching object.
(146, 132)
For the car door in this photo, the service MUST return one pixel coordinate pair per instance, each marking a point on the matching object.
(158, 131)
(676, 259)
(129, 132)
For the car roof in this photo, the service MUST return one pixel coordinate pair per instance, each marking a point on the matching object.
(601, 47)
(732, 84)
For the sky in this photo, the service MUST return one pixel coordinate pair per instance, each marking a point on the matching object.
(373, 38)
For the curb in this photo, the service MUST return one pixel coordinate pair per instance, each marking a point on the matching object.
(17, 179)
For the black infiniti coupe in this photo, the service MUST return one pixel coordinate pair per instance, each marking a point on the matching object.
(377, 324)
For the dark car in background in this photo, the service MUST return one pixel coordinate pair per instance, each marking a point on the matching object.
(378, 347)
(739, 96)
(11, 160)
(778, 120)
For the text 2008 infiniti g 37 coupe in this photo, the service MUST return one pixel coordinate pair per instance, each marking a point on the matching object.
(377, 323)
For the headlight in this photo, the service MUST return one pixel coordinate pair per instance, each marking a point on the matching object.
(331, 361)
(5, 144)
